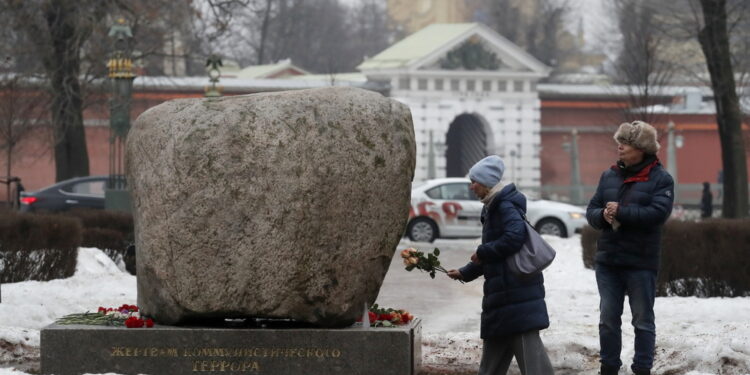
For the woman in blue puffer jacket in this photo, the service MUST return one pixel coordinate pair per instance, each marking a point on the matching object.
(513, 308)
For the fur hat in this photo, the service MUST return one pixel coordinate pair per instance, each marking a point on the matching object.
(488, 171)
(638, 134)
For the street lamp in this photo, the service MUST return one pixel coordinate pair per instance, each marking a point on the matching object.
(673, 143)
(576, 188)
(121, 74)
(213, 63)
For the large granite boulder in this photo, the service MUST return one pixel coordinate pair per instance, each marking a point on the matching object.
(275, 205)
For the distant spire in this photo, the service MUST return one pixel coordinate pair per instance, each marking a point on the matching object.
(581, 34)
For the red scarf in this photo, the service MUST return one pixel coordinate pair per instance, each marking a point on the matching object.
(642, 175)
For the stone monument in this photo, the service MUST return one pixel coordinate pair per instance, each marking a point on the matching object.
(283, 207)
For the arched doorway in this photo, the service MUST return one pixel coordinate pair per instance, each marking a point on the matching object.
(466, 144)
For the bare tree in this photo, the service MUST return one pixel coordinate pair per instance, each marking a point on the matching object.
(67, 42)
(370, 30)
(252, 31)
(640, 65)
(534, 25)
(714, 40)
(58, 30)
(22, 114)
(208, 28)
(313, 34)
(323, 36)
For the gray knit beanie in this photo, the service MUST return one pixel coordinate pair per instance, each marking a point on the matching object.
(638, 134)
(488, 171)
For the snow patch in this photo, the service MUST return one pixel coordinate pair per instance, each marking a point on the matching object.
(92, 261)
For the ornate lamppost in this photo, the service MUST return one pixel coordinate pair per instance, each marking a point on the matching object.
(121, 74)
(213, 63)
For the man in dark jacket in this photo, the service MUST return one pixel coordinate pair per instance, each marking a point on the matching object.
(633, 200)
(513, 308)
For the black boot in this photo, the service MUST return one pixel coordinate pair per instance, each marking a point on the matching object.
(640, 371)
(609, 370)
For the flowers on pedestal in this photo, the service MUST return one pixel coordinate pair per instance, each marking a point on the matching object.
(387, 317)
(127, 315)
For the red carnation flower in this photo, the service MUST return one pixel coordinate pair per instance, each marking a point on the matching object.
(149, 322)
(406, 317)
(133, 322)
(372, 316)
(387, 317)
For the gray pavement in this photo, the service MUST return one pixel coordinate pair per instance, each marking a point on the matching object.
(444, 305)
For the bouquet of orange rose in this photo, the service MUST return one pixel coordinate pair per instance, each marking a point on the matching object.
(429, 262)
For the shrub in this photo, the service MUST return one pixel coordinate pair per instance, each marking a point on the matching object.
(37, 247)
(104, 239)
(705, 259)
(104, 225)
(109, 231)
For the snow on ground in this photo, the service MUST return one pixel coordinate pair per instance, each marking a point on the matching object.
(28, 306)
(697, 335)
(694, 336)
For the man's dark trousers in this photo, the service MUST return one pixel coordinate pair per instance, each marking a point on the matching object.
(640, 286)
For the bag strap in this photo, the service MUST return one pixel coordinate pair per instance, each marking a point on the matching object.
(523, 215)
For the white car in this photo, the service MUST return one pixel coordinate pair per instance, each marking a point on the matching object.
(447, 208)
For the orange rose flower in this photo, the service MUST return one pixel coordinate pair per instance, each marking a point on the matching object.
(396, 317)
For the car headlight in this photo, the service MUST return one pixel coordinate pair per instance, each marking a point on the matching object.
(575, 215)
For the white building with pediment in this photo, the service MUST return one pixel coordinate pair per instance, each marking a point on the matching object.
(472, 93)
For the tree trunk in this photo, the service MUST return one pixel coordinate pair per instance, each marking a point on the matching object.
(264, 31)
(9, 160)
(714, 41)
(63, 68)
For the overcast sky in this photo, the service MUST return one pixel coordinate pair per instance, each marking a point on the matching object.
(596, 23)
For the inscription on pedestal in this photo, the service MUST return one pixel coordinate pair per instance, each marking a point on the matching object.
(232, 359)
(179, 350)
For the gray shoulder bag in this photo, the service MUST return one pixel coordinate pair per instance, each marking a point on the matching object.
(535, 254)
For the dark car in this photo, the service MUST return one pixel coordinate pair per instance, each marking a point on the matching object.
(79, 192)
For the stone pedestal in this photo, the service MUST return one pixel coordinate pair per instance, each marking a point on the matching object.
(162, 350)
